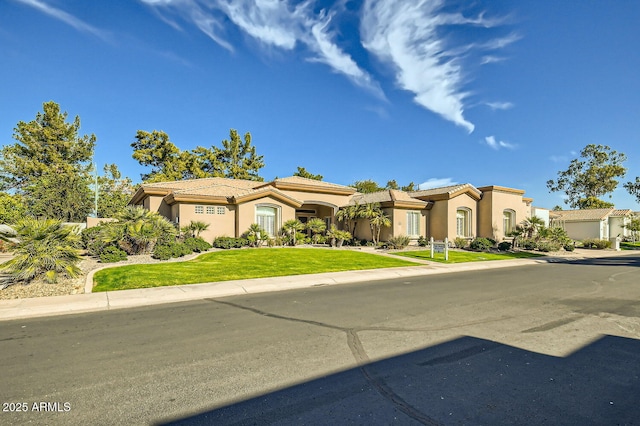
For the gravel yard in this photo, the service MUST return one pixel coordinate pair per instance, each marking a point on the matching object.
(67, 286)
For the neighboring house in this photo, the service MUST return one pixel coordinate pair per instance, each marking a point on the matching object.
(592, 223)
(541, 213)
(230, 206)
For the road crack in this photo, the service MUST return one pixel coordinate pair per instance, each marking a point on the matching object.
(359, 354)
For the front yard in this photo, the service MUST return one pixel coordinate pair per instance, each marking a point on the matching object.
(240, 264)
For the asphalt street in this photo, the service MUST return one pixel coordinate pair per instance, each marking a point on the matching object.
(553, 343)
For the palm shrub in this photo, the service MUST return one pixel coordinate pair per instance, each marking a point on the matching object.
(291, 228)
(378, 220)
(45, 249)
(317, 226)
(337, 237)
(138, 230)
(195, 227)
(255, 235)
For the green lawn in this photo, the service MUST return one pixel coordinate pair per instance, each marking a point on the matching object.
(630, 246)
(240, 264)
(466, 256)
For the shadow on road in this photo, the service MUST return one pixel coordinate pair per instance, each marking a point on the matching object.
(463, 381)
(628, 260)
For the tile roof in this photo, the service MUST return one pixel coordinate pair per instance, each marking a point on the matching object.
(581, 215)
(306, 181)
(387, 195)
(451, 189)
(624, 212)
(197, 184)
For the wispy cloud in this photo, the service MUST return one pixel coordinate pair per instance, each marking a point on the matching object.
(494, 144)
(279, 24)
(437, 183)
(491, 59)
(65, 17)
(407, 36)
(499, 105)
(559, 158)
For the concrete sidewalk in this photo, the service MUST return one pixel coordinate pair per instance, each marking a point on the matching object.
(90, 302)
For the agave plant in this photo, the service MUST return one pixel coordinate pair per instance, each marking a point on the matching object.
(45, 249)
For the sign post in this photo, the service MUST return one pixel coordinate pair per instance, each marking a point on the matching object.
(440, 247)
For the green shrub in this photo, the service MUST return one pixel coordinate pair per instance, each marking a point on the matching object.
(112, 254)
(399, 242)
(230, 242)
(603, 244)
(592, 243)
(547, 246)
(460, 242)
(569, 247)
(504, 246)
(481, 244)
(528, 244)
(162, 252)
(167, 251)
(197, 244)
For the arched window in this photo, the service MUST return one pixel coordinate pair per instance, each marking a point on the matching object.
(463, 222)
(508, 221)
(268, 217)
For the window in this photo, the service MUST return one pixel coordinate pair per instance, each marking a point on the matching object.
(220, 210)
(462, 222)
(199, 209)
(508, 219)
(413, 223)
(267, 218)
(211, 210)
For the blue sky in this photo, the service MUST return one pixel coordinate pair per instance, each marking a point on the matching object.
(487, 92)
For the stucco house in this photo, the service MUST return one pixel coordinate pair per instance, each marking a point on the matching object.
(592, 223)
(230, 206)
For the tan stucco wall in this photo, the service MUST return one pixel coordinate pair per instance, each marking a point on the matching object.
(219, 224)
(490, 212)
(157, 204)
(439, 220)
(485, 218)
